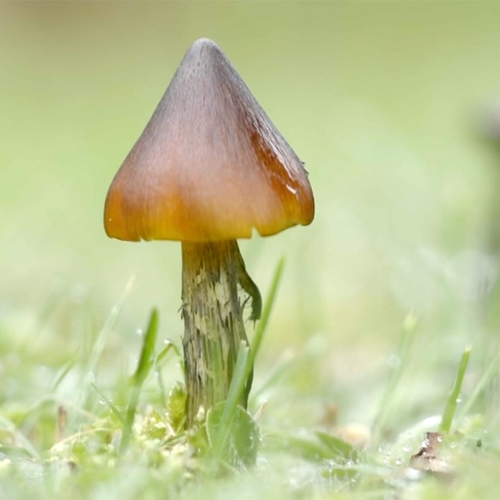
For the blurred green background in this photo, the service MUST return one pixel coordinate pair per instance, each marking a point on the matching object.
(384, 101)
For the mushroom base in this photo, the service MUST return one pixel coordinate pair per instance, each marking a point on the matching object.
(213, 322)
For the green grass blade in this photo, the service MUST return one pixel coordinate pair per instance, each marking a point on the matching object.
(283, 365)
(142, 371)
(101, 341)
(148, 346)
(266, 313)
(235, 391)
(403, 355)
(451, 406)
(61, 374)
(111, 406)
(102, 338)
(305, 447)
(19, 438)
(486, 379)
(244, 363)
(338, 447)
(160, 357)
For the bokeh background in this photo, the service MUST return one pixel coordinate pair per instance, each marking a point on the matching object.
(390, 106)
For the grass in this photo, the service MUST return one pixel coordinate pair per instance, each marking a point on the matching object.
(132, 445)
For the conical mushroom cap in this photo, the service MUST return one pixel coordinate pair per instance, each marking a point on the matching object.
(210, 165)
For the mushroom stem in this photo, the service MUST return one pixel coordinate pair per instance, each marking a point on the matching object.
(213, 321)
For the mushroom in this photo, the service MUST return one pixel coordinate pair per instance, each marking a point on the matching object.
(209, 168)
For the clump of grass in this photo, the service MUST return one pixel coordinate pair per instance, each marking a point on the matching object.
(131, 448)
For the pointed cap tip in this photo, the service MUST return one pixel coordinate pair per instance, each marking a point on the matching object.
(203, 46)
(204, 42)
